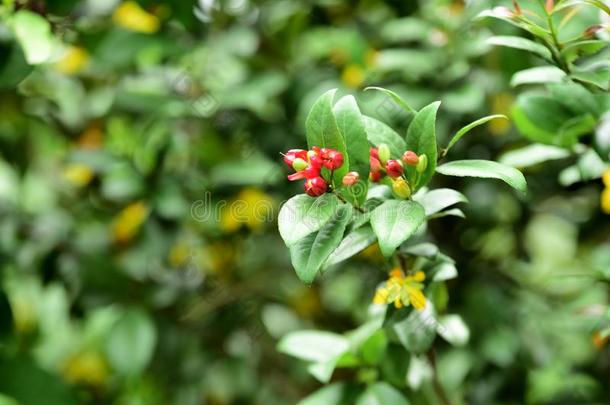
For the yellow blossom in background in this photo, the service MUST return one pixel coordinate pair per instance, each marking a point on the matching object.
(131, 16)
(88, 368)
(606, 178)
(251, 207)
(402, 290)
(179, 254)
(220, 257)
(605, 200)
(352, 76)
(372, 254)
(78, 174)
(500, 104)
(128, 222)
(370, 57)
(73, 61)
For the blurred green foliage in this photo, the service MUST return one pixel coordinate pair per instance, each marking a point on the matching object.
(127, 130)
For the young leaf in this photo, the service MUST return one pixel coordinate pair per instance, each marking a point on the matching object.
(309, 253)
(395, 221)
(394, 97)
(381, 393)
(504, 14)
(302, 215)
(351, 125)
(464, 130)
(437, 200)
(521, 43)
(485, 169)
(377, 133)
(322, 130)
(536, 75)
(353, 243)
(421, 138)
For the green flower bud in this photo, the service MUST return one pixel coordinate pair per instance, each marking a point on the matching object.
(401, 188)
(422, 164)
(384, 153)
(299, 164)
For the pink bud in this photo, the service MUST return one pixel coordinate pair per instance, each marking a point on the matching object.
(410, 158)
(351, 178)
(315, 187)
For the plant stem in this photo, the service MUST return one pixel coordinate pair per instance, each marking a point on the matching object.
(342, 199)
(556, 48)
(438, 388)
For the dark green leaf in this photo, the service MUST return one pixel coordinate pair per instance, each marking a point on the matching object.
(421, 139)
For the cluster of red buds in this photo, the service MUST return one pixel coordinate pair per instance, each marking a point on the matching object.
(381, 165)
(308, 165)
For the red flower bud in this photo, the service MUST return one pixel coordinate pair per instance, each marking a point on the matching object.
(351, 178)
(293, 154)
(375, 176)
(374, 153)
(394, 168)
(308, 173)
(375, 165)
(410, 158)
(333, 160)
(315, 187)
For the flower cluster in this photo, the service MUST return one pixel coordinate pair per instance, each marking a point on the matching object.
(308, 165)
(381, 166)
(402, 290)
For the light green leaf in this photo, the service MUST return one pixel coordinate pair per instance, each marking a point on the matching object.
(571, 3)
(308, 254)
(131, 342)
(578, 49)
(394, 97)
(532, 155)
(437, 200)
(421, 138)
(302, 215)
(599, 78)
(312, 345)
(536, 75)
(34, 35)
(394, 222)
(381, 393)
(322, 130)
(485, 169)
(377, 133)
(464, 130)
(453, 329)
(329, 395)
(504, 14)
(444, 271)
(521, 43)
(351, 125)
(353, 243)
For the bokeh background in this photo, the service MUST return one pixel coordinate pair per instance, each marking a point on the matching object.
(129, 138)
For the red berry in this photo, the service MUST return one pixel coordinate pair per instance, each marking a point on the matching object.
(375, 177)
(410, 158)
(394, 168)
(375, 165)
(315, 187)
(351, 178)
(374, 153)
(333, 160)
(293, 154)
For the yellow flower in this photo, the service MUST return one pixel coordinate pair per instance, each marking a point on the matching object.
(73, 61)
(78, 174)
(251, 207)
(606, 178)
(179, 254)
(128, 222)
(88, 368)
(352, 76)
(605, 200)
(131, 16)
(402, 290)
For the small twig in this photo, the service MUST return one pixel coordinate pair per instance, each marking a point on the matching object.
(438, 388)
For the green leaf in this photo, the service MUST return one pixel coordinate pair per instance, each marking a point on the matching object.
(322, 130)
(532, 155)
(377, 133)
(485, 169)
(540, 117)
(421, 138)
(521, 43)
(381, 393)
(353, 243)
(599, 78)
(537, 75)
(394, 97)
(437, 200)
(329, 395)
(453, 329)
(312, 345)
(416, 332)
(309, 254)
(302, 215)
(131, 343)
(34, 35)
(351, 125)
(395, 221)
(373, 349)
(571, 3)
(576, 98)
(464, 130)
(504, 14)
(578, 49)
